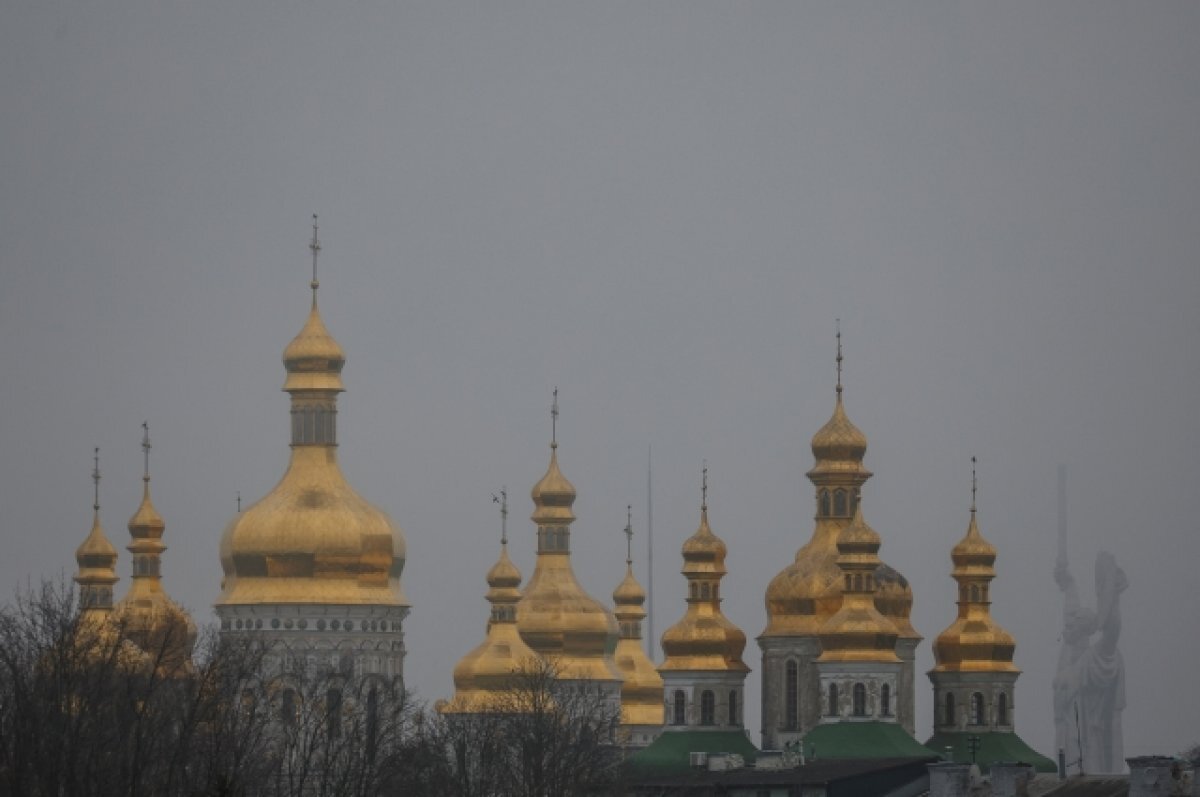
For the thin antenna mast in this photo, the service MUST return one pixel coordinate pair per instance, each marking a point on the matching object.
(650, 638)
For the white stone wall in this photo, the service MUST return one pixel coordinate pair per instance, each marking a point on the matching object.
(693, 684)
(846, 675)
(965, 684)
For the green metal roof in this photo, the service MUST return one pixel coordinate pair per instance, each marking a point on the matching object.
(862, 740)
(668, 754)
(993, 746)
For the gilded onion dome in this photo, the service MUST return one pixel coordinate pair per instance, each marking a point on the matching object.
(704, 639)
(313, 539)
(148, 616)
(483, 679)
(858, 631)
(802, 597)
(97, 560)
(974, 642)
(641, 685)
(555, 616)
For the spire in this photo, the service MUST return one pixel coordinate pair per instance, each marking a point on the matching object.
(704, 639)
(555, 616)
(146, 527)
(315, 247)
(837, 325)
(641, 685)
(974, 642)
(502, 500)
(629, 534)
(553, 496)
(96, 481)
(483, 678)
(554, 420)
(96, 557)
(974, 486)
(839, 445)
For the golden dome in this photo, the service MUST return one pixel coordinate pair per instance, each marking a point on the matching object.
(313, 539)
(839, 445)
(146, 615)
(974, 642)
(858, 631)
(704, 639)
(553, 496)
(642, 701)
(555, 616)
(313, 359)
(802, 598)
(484, 679)
(97, 558)
(629, 596)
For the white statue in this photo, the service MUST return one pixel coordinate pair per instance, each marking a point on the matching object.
(1089, 686)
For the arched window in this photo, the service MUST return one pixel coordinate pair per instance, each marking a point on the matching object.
(733, 708)
(1002, 709)
(705, 591)
(885, 700)
(680, 708)
(860, 700)
(977, 708)
(791, 690)
(708, 708)
(333, 712)
(824, 503)
(975, 593)
(839, 503)
(833, 700)
(949, 718)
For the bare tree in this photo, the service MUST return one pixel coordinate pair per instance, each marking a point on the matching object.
(544, 736)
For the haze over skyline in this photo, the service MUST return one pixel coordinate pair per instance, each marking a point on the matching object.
(661, 210)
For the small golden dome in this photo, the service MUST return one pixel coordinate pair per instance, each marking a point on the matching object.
(839, 446)
(555, 616)
(313, 359)
(146, 615)
(553, 496)
(704, 639)
(858, 631)
(504, 575)
(96, 556)
(974, 642)
(641, 685)
(485, 678)
(628, 597)
(973, 551)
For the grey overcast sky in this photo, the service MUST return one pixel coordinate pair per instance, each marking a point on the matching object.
(660, 208)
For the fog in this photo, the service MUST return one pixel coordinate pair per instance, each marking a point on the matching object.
(661, 209)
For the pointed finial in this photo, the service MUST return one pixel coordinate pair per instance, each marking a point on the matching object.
(629, 534)
(315, 246)
(837, 325)
(239, 501)
(704, 488)
(146, 451)
(502, 500)
(96, 478)
(554, 420)
(974, 485)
